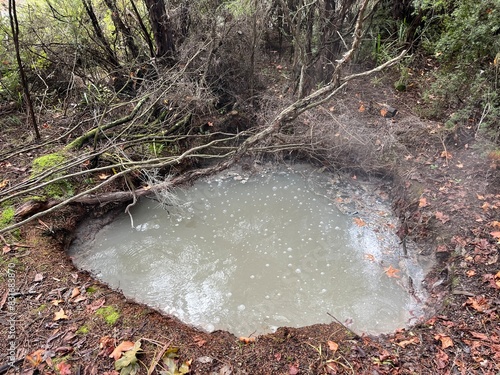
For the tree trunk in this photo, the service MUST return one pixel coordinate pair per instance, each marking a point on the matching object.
(24, 81)
(122, 28)
(111, 56)
(160, 25)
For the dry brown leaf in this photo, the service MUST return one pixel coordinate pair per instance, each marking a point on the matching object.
(495, 234)
(370, 257)
(446, 341)
(60, 315)
(446, 155)
(103, 176)
(362, 108)
(63, 368)
(422, 202)
(405, 343)
(75, 292)
(470, 273)
(35, 358)
(359, 222)
(333, 346)
(383, 112)
(478, 303)
(56, 302)
(247, 340)
(38, 277)
(442, 217)
(123, 347)
(3, 184)
(391, 271)
(199, 341)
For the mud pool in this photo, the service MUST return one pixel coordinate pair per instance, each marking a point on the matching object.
(249, 253)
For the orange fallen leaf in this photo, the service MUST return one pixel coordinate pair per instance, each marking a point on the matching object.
(64, 368)
(370, 257)
(470, 273)
(123, 347)
(60, 315)
(391, 271)
(446, 341)
(383, 112)
(247, 340)
(446, 155)
(478, 303)
(56, 302)
(405, 343)
(361, 108)
(495, 234)
(35, 358)
(422, 202)
(333, 346)
(199, 341)
(3, 184)
(359, 222)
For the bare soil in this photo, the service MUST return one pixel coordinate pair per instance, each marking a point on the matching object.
(444, 189)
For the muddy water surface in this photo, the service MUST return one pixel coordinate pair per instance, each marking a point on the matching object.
(250, 253)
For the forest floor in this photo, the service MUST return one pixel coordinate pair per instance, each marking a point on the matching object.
(56, 319)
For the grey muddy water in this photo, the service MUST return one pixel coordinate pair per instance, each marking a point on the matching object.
(250, 253)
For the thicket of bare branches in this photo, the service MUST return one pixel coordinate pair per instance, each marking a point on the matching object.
(207, 102)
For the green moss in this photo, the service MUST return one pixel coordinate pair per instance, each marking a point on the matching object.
(91, 289)
(83, 330)
(46, 162)
(109, 314)
(7, 216)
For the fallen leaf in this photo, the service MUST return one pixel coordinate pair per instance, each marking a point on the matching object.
(56, 302)
(422, 202)
(107, 345)
(470, 273)
(103, 176)
(63, 368)
(199, 341)
(129, 359)
(96, 304)
(294, 370)
(38, 277)
(441, 359)
(123, 347)
(278, 356)
(370, 257)
(442, 217)
(6, 249)
(480, 197)
(3, 184)
(391, 271)
(333, 346)
(361, 108)
(459, 165)
(75, 292)
(60, 315)
(446, 155)
(383, 112)
(35, 358)
(446, 341)
(495, 234)
(359, 222)
(495, 224)
(478, 303)
(247, 340)
(405, 343)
